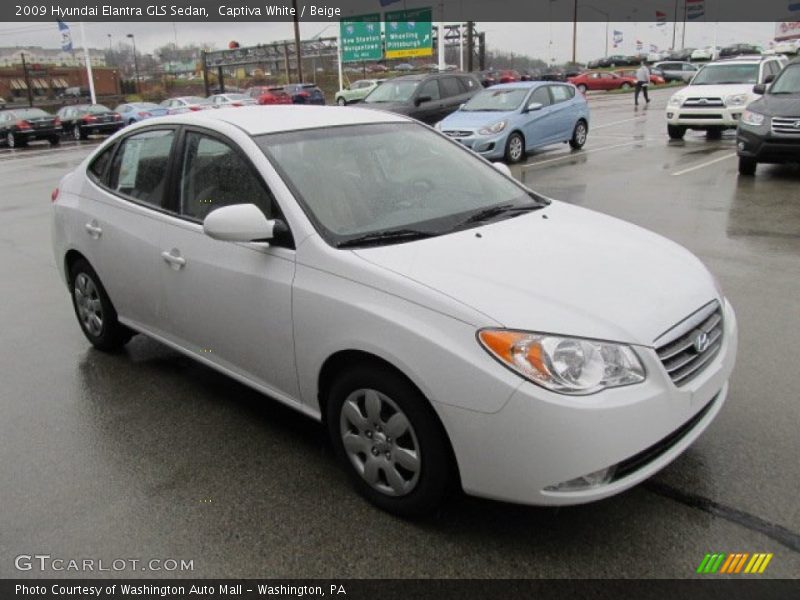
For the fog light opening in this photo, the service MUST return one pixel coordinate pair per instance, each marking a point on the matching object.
(585, 482)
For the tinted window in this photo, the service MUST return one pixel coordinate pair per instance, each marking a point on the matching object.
(97, 169)
(561, 93)
(430, 88)
(213, 175)
(469, 84)
(540, 95)
(450, 87)
(139, 169)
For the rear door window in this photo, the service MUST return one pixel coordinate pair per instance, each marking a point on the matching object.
(450, 87)
(139, 169)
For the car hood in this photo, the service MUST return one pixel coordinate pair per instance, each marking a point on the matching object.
(718, 91)
(473, 120)
(778, 105)
(562, 269)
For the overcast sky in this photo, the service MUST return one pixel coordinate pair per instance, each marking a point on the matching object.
(540, 40)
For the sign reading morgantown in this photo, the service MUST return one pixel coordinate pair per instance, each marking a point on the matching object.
(361, 38)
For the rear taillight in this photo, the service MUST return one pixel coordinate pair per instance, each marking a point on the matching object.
(54, 195)
(117, 117)
(194, 108)
(236, 104)
(57, 122)
(22, 124)
(89, 119)
(304, 94)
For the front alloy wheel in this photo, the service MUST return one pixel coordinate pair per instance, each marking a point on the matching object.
(380, 442)
(515, 148)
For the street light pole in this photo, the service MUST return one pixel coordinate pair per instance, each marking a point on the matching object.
(135, 63)
(575, 33)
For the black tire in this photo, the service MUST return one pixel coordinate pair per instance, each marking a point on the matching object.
(112, 335)
(55, 140)
(582, 88)
(341, 102)
(676, 132)
(747, 166)
(625, 86)
(515, 148)
(436, 471)
(77, 134)
(579, 135)
(714, 133)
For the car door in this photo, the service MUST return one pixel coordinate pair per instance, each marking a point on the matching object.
(230, 303)
(563, 114)
(539, 128)
(121, 220)
(452, 95)
(431, 111)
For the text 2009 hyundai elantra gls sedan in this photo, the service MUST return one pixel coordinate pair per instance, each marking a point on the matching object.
(449, 326)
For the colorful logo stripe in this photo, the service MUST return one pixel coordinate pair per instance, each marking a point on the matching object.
(734, 563)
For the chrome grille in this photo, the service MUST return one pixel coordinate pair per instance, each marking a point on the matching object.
(786, 125)
(703, 102)
(458, 134)
(686, 349)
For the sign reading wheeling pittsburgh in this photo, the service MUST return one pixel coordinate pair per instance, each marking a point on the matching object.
(361, 38)
(409, 33)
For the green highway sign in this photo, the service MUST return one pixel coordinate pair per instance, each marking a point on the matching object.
(409, 33)
(361, 38)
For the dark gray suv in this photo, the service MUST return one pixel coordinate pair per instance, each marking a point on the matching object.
(427, 98)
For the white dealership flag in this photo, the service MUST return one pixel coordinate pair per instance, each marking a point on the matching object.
(66, 36)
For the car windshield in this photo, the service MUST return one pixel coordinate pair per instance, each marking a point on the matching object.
(787, 82)
(721, 74)
(497, 100)
(393, 91)
(28, 113)
(397, 178)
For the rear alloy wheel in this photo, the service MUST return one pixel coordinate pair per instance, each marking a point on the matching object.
(676, 132)
(341, 102)
(582, 88)
(11, 141)
(96, 315)
(386, 435)
(747, 165)
(76, 133)
(515, 148)
(579, 135)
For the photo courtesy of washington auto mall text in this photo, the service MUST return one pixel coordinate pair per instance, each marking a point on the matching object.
(399, 299)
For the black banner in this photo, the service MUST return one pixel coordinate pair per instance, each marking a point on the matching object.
(642, 11)
(400, 589)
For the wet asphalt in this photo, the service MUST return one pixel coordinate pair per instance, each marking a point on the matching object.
(146, 454)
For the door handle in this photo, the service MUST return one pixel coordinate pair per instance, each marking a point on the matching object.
(93, 229)
(175, 260)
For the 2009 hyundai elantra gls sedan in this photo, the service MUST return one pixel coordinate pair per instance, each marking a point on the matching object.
(450, 327)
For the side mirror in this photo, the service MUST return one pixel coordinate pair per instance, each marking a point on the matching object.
(239, 223)
(420, 99)
(760, 89)
(769, 78)
(534, 106)
(503, 168)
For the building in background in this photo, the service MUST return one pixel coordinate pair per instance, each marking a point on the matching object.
(10, 57)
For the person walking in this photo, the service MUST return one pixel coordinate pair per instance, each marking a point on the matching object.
(642, 82)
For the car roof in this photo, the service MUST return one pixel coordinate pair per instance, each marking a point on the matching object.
(522, 85)
(259, 120)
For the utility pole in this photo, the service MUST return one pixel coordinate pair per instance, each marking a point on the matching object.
(135, 64)
(205, 74)
(674, 24)
(470, 46)
(298, 50)
(575, 33)
(27, 80)
(683, 33)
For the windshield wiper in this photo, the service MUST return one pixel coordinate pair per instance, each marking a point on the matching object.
(393, 235)
(496, 211)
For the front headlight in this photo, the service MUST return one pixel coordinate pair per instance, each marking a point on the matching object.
(496, 128)
(564, 364)
(752, 118)
(676, 100)
(736, 100)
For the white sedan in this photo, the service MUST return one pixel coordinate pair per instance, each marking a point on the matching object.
(231, 100)
(449, 326)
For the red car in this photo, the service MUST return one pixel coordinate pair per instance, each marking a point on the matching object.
(508, 76)
(601, 80)
(269, 95)
(654, 79)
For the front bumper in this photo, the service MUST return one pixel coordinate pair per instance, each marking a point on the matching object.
(488, 146)
(540, 439)
(765, 146)
(702, 118)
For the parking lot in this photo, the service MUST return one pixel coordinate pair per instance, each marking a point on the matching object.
(147, 454)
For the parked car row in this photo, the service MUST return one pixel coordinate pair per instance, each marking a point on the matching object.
(759, 96)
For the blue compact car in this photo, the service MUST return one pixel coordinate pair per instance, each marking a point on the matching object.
(508, 120)
(133, 112)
